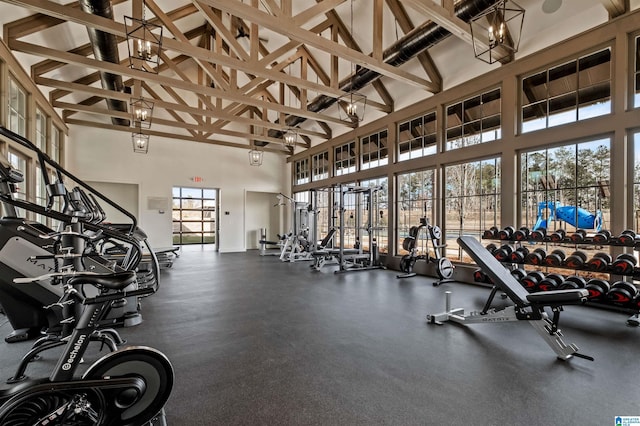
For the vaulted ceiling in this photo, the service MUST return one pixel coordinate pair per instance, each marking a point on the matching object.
(238, 72)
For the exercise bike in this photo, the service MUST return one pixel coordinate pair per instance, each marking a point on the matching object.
(126, 387)
(444, 267)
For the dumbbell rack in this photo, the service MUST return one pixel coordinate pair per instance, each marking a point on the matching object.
(623, 296)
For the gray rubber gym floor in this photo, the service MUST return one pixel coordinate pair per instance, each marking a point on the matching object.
(256, 341)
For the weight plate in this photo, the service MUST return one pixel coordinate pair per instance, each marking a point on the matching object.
(444, 268)
(582, 255)
(436, 232)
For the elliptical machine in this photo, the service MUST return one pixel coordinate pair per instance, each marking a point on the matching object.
(29, 248)
(444, 267)
(126, 387)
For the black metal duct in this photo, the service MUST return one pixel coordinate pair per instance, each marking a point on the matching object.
(105, 48)
(418, 40)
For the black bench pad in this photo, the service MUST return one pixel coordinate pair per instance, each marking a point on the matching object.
(562, 297)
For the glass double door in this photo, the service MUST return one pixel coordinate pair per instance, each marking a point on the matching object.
(195, 216)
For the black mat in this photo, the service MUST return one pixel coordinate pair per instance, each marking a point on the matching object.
(257, 341)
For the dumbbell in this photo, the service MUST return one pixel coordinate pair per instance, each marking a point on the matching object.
(627, 237)
(597, 288)
(519, 255)
(536, 257)
(602, 237)
(599, 262)
(579, 236)
(480, 277)
(507, 233)
(539, 234)
(530, 282)
(622, 293)
(491, 248)
(573, 282)
(521, 234)
(550, 282)
(555, 258)
(576, 260)
(558, 235)
(503, 254)
(491, 233)
(518, 274)
(635, 304)
(624, 264)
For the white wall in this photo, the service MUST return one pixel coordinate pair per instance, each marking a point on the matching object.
(124, 194)
(107, 156)
(261, 213)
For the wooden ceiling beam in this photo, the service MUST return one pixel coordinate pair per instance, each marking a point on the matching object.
(95, 76)
(317, 9)
(200, 127)
(49, 65)
(377, 30)
(188, 138)
(267, 60)
(37, 22)
(176, 97)
(221, 31)
(82, 61)
(443, 17)
(107, 25)
(384, 94)
(171, 112)
(184, 77)
(282, 26)
(274, 7)
(159, 103)
(179, 35)
(402, 17)
(616, 7)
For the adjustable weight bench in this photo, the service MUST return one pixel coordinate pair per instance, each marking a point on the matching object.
(526, 306)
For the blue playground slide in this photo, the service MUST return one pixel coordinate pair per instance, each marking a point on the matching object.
(586, 219)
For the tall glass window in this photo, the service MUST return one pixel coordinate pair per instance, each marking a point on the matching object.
(347, 217)
(41, 130)
(472, 201)
(301, 197)
(54, 150)
(19, 162)
(374, 150)
(379, 224)
(566, 187)
(320, 166)
(576, 90)
(417, 137)
(414, 200)
(344, 159)
(302, 171)
(636, 75)
(324, 213)
(475, 120)
(17, 108)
